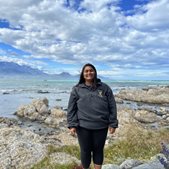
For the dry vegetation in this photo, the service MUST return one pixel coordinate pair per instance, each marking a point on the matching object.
(139, 143)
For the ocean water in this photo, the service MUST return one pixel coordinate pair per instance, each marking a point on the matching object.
(15, 92)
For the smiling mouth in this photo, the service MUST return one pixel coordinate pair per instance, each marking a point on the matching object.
(89, 76)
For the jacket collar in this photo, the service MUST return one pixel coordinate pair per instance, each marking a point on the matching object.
(83, 84)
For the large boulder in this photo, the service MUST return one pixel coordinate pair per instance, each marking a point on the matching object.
(41, 105)
(38, 110)
(57, 112)
(57, 116)
(157, 95)
(145, 116)
(154, 164)
(130, 163)
(110, 166)
(20, 148)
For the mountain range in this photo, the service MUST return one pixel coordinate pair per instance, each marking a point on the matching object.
(11, 69)
(14, 69)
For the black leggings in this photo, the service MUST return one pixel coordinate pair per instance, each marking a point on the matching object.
(91, 141)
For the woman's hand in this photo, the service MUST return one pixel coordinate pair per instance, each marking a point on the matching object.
(72, 131)
(112, 130)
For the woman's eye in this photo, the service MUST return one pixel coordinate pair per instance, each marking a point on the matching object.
(88, 71)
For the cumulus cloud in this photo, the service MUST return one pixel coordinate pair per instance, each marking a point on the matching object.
(34, 64)
(99, 34)
(154, 19)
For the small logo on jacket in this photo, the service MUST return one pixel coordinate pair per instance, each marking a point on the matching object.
(100, 93)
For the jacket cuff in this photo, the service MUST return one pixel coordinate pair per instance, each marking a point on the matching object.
(114, 124)
(72, 126)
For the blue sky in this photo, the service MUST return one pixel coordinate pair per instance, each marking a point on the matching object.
(124, 39)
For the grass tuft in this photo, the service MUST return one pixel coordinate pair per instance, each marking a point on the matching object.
(45, 163)
(139, 143)
(72, 150)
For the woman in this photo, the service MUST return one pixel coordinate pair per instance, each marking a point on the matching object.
(91, 112)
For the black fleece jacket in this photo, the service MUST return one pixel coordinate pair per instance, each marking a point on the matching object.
(92, 108)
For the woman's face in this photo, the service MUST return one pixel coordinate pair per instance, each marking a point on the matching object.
(88, 73)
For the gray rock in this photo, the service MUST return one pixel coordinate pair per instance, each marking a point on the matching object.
(8, 122)
(38, 110)
(167, 119)
(130, 163)
(20, 148)
(163, 159)
(42, 92)
(44, 109)
(157, 95)
(154, 164)
(110, 166)
(41, 106)
(145, 116)
(45, 101)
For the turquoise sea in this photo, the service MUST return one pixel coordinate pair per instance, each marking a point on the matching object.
(19, 91)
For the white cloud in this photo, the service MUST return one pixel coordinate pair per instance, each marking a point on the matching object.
(13, 59)
(101, 34)
(13, 10)
(34, 64)
(132, 73)
(154, 19)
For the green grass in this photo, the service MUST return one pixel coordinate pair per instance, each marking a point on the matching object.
(72, 150)
(45, 163)
(139, 143)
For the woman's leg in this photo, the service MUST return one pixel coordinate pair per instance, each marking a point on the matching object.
(85, 142)
(99, 138)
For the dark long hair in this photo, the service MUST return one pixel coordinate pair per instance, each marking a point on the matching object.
(95, 80)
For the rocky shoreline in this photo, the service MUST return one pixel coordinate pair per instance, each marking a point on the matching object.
(24, 141)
